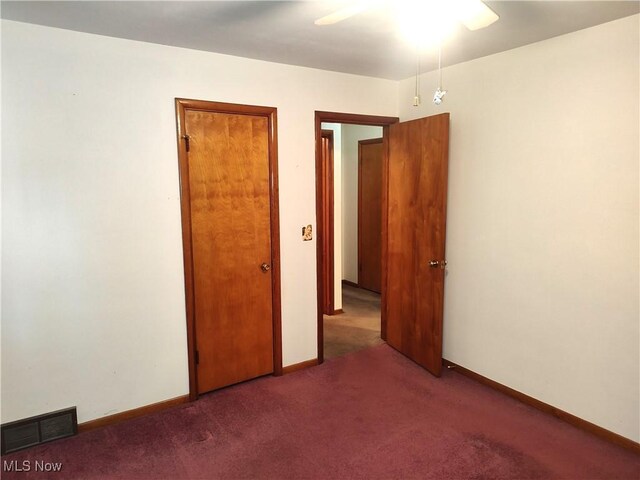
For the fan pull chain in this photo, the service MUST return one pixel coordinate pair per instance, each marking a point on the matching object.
(439, 93)
(416, 98)
(440, 66)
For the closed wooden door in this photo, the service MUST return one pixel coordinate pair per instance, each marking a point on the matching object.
(416, 221)
(231, 246)
(370, 214)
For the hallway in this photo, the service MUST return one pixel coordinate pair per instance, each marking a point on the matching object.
(357, 328)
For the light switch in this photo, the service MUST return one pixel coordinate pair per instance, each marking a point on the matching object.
(307, 233)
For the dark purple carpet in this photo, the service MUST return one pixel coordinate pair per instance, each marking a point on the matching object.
(369, 415)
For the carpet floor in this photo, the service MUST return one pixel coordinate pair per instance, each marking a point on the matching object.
(367, 415)
(355, 329)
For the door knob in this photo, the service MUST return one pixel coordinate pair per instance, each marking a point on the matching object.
(436, 263)
(265, 267)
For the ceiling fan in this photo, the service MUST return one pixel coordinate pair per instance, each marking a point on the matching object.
(423, 23)
(473, 14)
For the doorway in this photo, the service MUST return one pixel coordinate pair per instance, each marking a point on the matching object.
(413, 264)
(354, 321)
(228, 179)
(349, 316)
(328, 219)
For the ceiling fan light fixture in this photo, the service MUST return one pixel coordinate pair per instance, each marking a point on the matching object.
(348, 12)
(474, 14)
(425, 23)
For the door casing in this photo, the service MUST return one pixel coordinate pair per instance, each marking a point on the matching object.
(181, 105)
(353, 119)
(327, 192)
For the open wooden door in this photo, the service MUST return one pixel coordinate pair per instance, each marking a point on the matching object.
(327, 220)
(418, 153)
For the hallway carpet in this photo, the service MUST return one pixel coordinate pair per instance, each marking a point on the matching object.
(355, 329)
(368, 415)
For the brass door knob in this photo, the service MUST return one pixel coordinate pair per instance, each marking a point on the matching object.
(265, 267)
(438, 263)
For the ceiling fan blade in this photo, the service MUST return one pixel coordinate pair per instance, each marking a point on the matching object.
(343, 13)
(476, 15)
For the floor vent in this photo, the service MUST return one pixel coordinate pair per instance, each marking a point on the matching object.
(39, 429)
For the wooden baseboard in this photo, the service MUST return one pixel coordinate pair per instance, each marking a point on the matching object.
(336, 312)
(550, 409)
(172, 402)
(357, 285)
(299, 366)
(129, 414)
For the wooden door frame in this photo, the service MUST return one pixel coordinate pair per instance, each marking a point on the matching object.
(360, 143)
(353, 119)
(327, 192)
(181, 105)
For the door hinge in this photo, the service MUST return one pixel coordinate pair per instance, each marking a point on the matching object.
(187, 140)
(197, 357)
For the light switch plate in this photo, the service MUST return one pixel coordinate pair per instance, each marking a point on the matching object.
(307, 233)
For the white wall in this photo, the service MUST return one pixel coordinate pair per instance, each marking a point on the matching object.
(337, 212)
(542, 225)
(93, 298)
(351, 134)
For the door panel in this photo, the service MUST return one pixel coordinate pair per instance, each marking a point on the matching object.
(228, 161)
(370, 214)
(417, 195)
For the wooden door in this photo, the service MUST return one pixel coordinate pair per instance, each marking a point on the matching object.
(370, 214)
(418, 154)
(230, 204)
(327, 219)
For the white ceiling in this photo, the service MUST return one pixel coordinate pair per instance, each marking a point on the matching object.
(284, 32)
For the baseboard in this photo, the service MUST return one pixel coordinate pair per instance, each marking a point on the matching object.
(129, 414)
(336, 312)
(550, 409)
(357, 285)
(299, 366)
